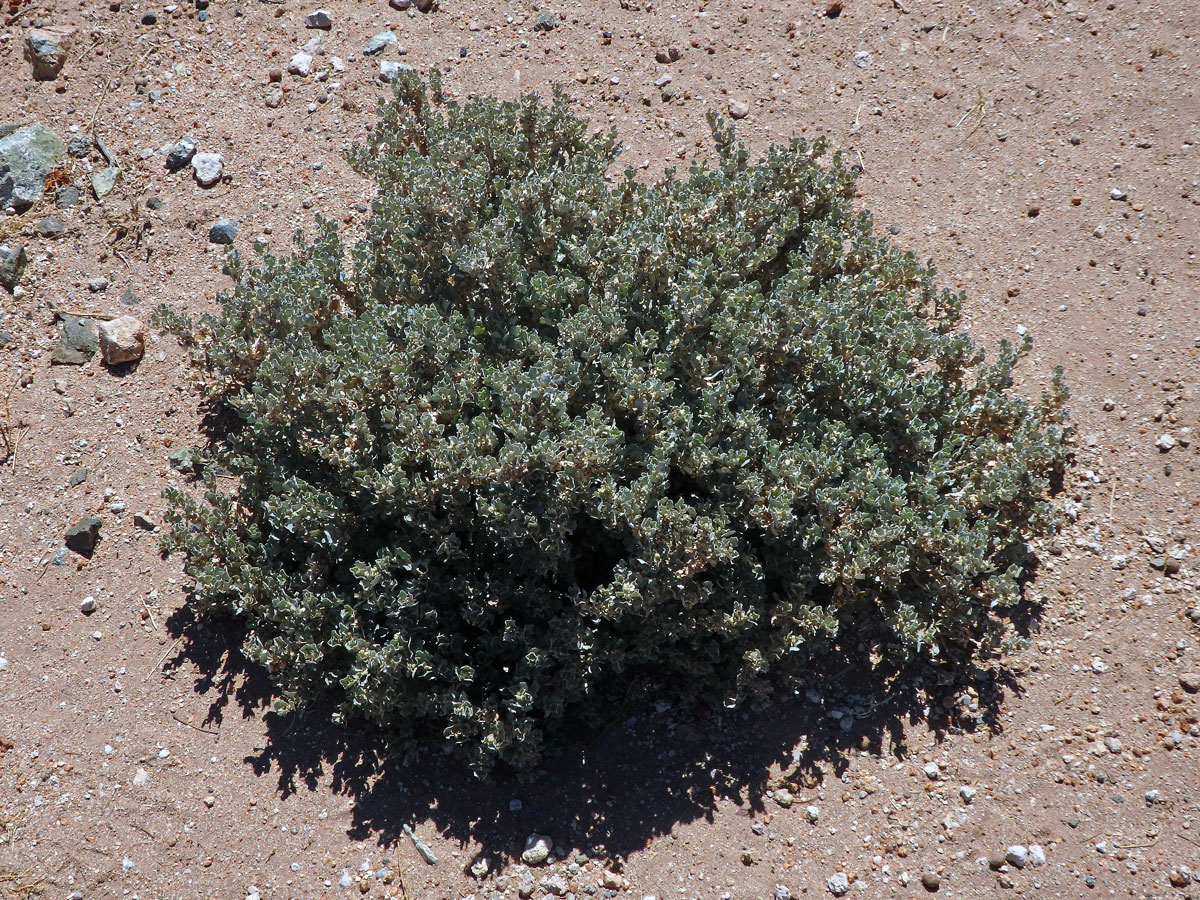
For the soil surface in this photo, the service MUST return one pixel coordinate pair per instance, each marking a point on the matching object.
(1043, 153)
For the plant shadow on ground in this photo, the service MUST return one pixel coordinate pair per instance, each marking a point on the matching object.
(611, 789)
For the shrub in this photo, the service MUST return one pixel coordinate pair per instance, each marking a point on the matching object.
(542, 432)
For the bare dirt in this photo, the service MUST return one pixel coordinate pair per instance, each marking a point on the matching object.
(1044, 154)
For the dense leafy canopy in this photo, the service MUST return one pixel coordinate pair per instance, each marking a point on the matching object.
(541, 430)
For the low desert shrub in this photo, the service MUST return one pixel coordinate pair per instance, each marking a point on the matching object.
(542, 432)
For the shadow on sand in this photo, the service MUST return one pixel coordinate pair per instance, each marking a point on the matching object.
(609, 790)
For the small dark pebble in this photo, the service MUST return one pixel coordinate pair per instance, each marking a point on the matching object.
(154, 203)
(202, 4)
(6, 338)
(1073, 822)
(894, 229)
(462, 52)
(1090, 881)
(82, 536)
(149, 19)
(141, 520)
(78, 477)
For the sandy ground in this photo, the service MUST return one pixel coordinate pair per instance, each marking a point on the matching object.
(1042, 153)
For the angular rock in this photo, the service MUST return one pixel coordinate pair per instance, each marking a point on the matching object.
(1190, 682)
(738, 109)
(1017, 855)
(122, 340)
(47, 49)
(78, 340)
(300, 64)
(181, 154)
(319, 19)
(207, 168)
(83, 535)
(223, 231)
(129, 297)
(667, 55)
(12, 265)
(380, 42)
(27, 156)
(546, 21)
(104, 181)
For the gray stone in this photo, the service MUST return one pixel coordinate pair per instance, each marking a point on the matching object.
(1037, 856)
(83, 535)
(555, 885)
(537, 849)
(154, 203)
(838, 884)
(12, 266)
(47, 49)
(319, 19)
(223, 231)
(88, 605)
(60, 557)
(207, 168)
(738, 109)
(525, 885)
(390, 72)
(1190, 682)
(78, 341)
(6, 338)
(181, 154)
(122, 340)
(98, 285)
(79, 146)
(129, 296)
(104, 181)
(27, 156)
(50, 226)
(78, 477)
(7, 128)
(380, 42)
(930, 881)
(783, 892)
(66, 197)
(862, 59)
(546, 21)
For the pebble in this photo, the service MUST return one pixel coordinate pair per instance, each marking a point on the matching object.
(87, 605)
(83, 535)
(98, 285)
(149, 19)
(931, 881)
(783, 892)
(546, 21)
(181, 154)
(812, 813)
(104, 181)
(967, 793)
(525, 885)
(223, 231)
(79, 146)
(932, 772)
(66, 197)
(12, 265)
(1117, 194)
(537, 849)
(862, 59)
(77, 342)
(379, 43)
(300, 64)
(667, 55)
(1017, 855)
(319, 19)
(1151, 797)
(1037, 856)
(422, 848)
(1190, 682)
(207, 168)
(738, 109)
(122, 340)
(129, 296)
(46, 49)
(143, 521)
(1164, 443)
(50, 226)
(556, 885)
(838, 884)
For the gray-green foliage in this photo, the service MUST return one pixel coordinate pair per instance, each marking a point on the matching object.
(537, 433)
